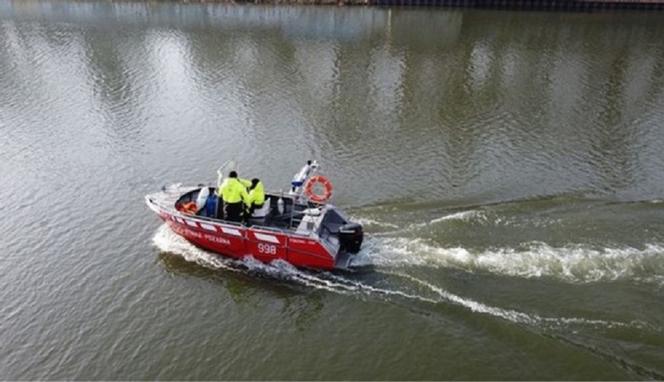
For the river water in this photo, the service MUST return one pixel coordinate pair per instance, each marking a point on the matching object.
(507, 166)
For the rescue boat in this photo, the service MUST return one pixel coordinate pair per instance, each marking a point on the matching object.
(299, 226)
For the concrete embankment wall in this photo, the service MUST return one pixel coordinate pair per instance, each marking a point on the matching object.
(572, 5)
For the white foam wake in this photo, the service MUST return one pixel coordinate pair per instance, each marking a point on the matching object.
(516, 316)
(168, 241)
(463, 216)
(574, 263)
(372, 222)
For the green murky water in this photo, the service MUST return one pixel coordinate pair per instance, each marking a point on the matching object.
(508, 168)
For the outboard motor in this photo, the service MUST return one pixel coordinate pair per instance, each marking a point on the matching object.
(350, 237)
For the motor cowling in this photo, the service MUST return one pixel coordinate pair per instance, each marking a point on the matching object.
(350, 237)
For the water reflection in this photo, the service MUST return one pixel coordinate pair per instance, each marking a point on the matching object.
(290, 21)
(459, 99)
(248, 288)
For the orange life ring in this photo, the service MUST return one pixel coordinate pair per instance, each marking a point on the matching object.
(309, 189)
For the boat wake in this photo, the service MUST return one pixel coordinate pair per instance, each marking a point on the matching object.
(572, 263)
(463, 216)
(393, 284)
(417, 244)
(167, 241)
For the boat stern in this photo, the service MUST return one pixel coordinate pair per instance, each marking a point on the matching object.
(340, 236)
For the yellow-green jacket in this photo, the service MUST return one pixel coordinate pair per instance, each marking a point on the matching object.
(257, 195)
(233, 190)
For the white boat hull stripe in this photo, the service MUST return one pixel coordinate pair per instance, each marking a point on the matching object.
(231, 231)
(208, 227)
(268, 238)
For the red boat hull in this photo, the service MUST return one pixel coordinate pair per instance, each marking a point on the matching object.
(238, 241)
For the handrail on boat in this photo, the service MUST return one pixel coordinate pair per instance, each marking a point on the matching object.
(224, 168)
(174, 211)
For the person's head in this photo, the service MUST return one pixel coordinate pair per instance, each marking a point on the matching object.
(232, 174)
(254, 183)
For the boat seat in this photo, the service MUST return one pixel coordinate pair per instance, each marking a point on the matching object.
(259, 217)
(263, 211)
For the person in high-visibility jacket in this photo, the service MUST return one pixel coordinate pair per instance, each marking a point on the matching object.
(233, 193)
(256, 196)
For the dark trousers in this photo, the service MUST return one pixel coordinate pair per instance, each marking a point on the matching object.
(233, 211)
(219, 209)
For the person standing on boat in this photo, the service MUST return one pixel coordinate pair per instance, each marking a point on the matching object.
(256, 196)
(234, 195)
